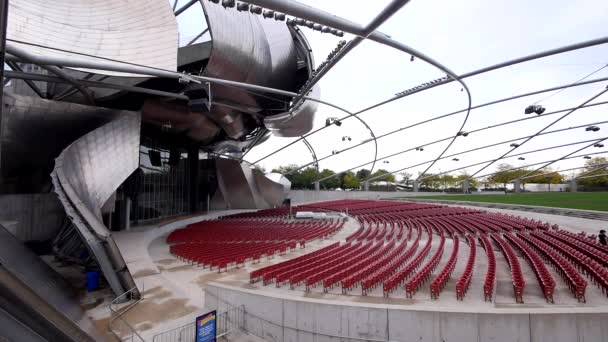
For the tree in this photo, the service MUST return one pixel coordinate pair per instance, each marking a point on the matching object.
(595, 167)
(260, 168)
(430, 181)
(383, 175)
(406, 178)
(289, 172)
(350, 181)
(363, 174)
(506, 173)
(331, 183)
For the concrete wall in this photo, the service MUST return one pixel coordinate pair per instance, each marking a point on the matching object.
(295, 316)
(309, 196)
(33, 217)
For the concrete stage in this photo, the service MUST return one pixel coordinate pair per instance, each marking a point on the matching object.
(176, 292)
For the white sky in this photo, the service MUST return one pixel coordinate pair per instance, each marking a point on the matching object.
(464, 36)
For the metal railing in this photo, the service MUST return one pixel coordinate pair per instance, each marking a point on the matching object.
(116, 313)
(226, 322)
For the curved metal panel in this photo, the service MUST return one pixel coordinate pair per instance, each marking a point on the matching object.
(242, 187)
(86, 174)
(272, 192)
(249, 48)
(135, 31)
(296, 123)
(32, 136)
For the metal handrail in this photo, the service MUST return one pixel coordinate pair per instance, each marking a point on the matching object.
(297, 330)
(167, 335)
(119, 312)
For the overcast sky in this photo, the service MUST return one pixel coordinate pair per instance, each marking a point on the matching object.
(464, 36)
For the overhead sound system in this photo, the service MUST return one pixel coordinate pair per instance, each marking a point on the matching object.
(155, 158)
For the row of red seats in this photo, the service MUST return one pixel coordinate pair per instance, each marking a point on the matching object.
(585, 264)
(316, 276)
(576, 283)
(214, 255)
(252, 230)
(351, 268)
(299, 261)
(545, 279)
(490, 279)
(381, 274)
(425, 273)
(298, 274)
(462, 285)
(350, 281)
(582, 244)
(442, 278)
(400, 276)
(513, 262)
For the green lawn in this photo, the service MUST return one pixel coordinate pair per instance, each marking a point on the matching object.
(580, 200)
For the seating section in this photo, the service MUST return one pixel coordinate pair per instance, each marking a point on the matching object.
(394, 248)
(233, 241)
(517, 276)
(439, 282)
(490, 280)
(462, 285)
(545, 279)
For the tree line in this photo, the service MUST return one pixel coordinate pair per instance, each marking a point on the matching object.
(506, 173)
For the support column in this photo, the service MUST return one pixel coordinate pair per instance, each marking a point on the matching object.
(517, 185)
(3, 24)
(127, 218)
(573, 185)
(192, 182)
(317, 186)
(415, 186)
(465, 186)
(366, 186)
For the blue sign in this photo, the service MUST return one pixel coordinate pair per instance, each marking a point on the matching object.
(205, 327)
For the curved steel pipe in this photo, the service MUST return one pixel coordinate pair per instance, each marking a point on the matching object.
(515, 155)
(565, 156)
(479, 163)
(477, 148)
(312, 152)
(542, 130)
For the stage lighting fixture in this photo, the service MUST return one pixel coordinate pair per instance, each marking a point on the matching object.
(538, 109)
(241, 6)
(228, 3)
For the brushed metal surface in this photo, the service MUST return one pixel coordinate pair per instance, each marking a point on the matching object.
(86, 174)
(249, 48)
(272, 192)
(241, 187)
(135, 31)
(296, 123)
(35, 131)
